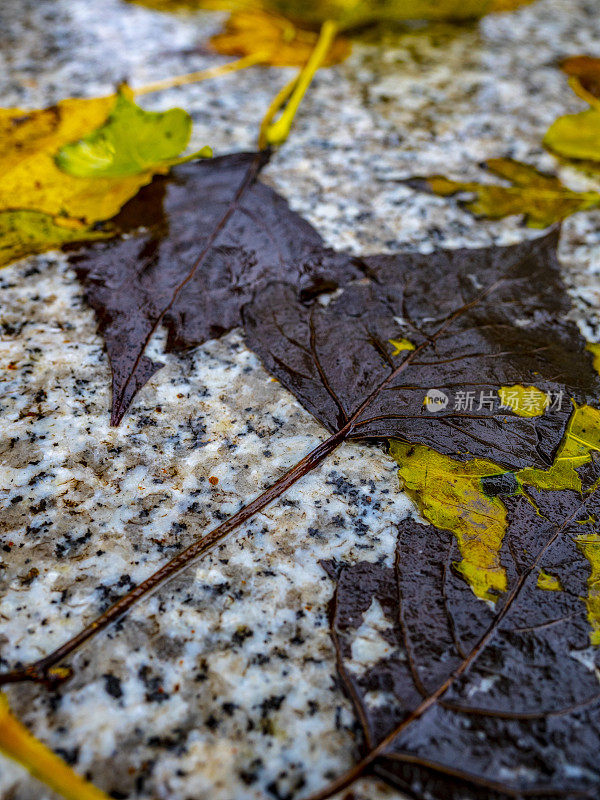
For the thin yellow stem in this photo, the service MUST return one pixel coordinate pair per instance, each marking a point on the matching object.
(202, 75)
(276, 104)
(22, 746)
(277, 132)
(583, 93)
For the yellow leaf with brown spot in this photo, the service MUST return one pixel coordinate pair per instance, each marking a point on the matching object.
(18, 743)
(31, 179)
(24, 134)
(283, 44)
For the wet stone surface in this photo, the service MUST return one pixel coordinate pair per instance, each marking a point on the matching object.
(223, 684)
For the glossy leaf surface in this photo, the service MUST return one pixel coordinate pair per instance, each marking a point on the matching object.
(480, 701)
(212, 237)
(480, 320)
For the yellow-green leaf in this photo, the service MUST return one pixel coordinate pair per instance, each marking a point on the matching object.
(542, 198)
(18, 743)
(449, 494)
(131, 141)
(29, 141)
(26, 233)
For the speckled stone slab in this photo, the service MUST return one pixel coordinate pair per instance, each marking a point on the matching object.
(223, 684)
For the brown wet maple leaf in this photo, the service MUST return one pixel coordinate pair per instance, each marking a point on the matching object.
(476, 320)
(472, 321)
(209, 236)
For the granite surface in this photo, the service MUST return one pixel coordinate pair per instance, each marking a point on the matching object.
(223, 684)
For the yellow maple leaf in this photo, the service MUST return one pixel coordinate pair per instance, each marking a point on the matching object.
(542, 198)
(282, 43)
(33, 180)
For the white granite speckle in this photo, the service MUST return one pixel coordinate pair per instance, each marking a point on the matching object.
(223, 684)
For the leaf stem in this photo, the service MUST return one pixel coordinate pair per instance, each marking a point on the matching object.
(277, 132)
(276, 104)
(22, 746)
(46, 672)
(583, 93)
(201, 75)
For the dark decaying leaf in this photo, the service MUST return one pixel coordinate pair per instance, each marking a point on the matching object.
(212, 236)
(486, 701)
(478, 320)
